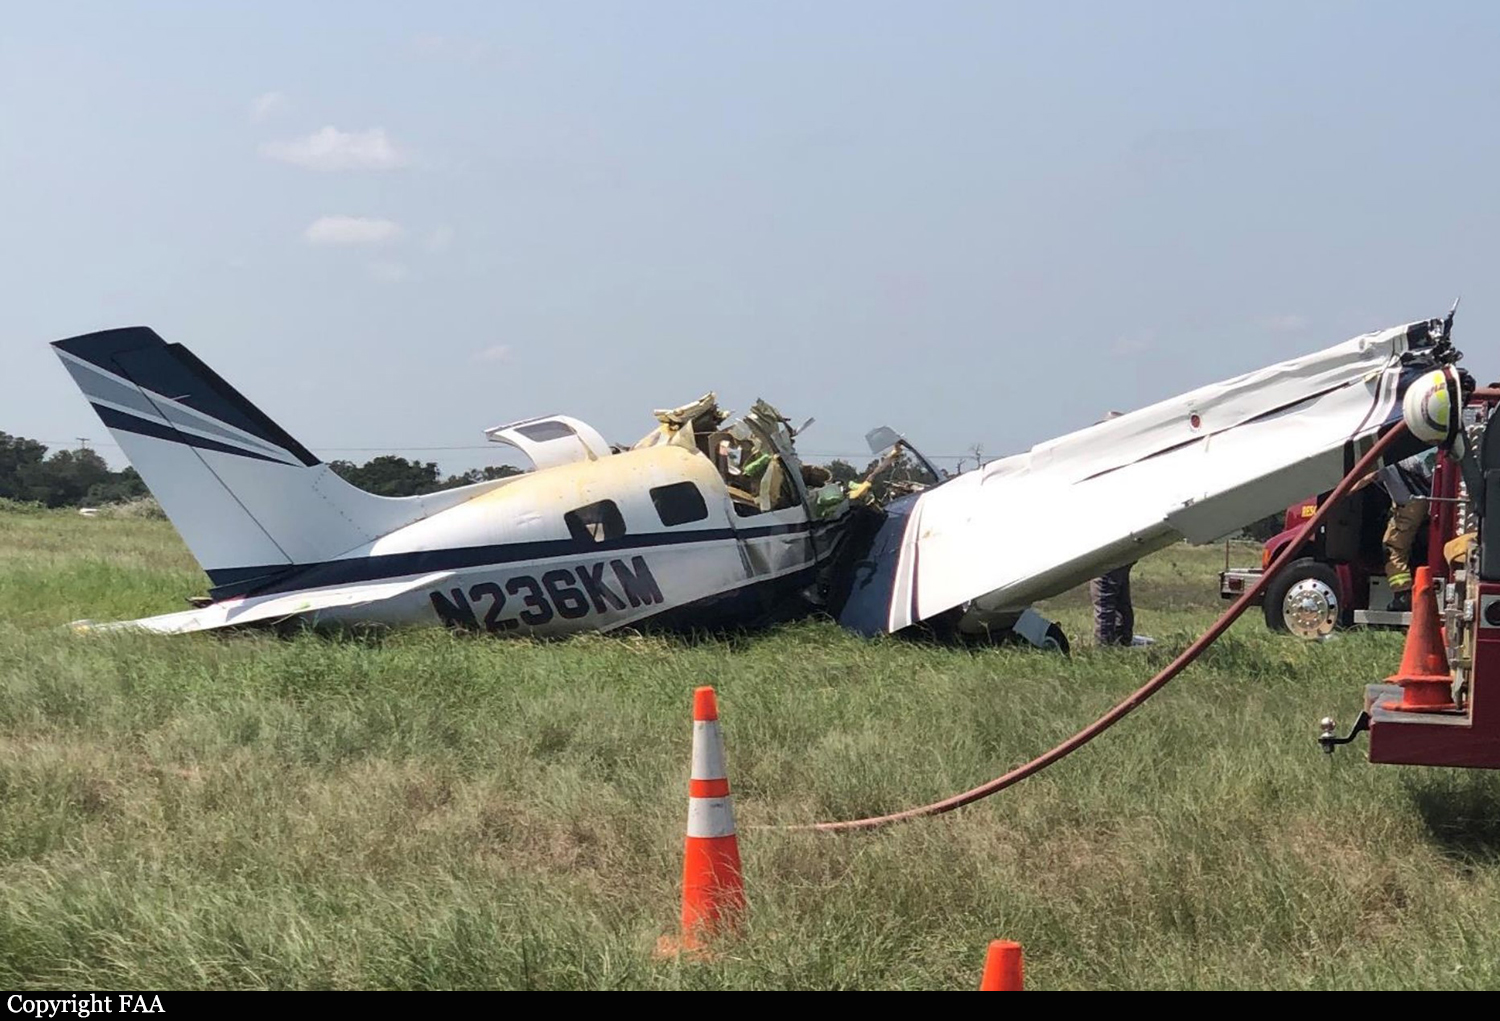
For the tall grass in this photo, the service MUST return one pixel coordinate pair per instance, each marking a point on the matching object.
(428, 810)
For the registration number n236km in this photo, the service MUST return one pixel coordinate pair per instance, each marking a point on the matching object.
(569, 593)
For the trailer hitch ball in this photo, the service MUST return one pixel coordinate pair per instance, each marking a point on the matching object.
(1327, 728)
(1328, 731)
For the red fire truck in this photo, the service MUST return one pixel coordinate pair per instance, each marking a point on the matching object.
(1440, 708)
(1339, 579)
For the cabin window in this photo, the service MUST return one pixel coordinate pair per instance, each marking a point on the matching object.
(541, 432)
(679, 503)
(598, 522)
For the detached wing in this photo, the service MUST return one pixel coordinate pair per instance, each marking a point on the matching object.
(260, 609)
(1195, 467)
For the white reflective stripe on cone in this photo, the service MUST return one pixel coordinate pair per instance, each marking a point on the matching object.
(708, 751)
(710, 817)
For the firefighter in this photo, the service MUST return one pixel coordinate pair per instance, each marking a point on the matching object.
(1408, 484)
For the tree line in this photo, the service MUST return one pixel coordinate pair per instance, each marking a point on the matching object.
(67, 478)
(81, 478)
(389, 475)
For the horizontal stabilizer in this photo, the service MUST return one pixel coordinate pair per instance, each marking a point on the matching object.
(261, 609)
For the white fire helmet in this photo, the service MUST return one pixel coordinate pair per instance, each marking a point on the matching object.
(1431, 406)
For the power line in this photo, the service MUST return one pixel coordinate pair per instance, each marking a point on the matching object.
(83, 440)
(968, 454)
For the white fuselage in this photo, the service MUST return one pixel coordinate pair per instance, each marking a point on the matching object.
(659, 532)
(530, 573)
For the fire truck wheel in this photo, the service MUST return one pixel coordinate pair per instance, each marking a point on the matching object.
(1304, 599)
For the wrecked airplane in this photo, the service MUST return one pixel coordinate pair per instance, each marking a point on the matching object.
(708, 522)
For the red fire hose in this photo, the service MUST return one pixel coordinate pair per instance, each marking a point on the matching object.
(1150, 688)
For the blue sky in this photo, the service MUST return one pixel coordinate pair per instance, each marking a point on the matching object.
(393, 225)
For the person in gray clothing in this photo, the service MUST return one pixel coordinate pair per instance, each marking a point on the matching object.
(1114, 615)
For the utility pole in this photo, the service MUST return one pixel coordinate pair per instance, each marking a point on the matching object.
(83, 442)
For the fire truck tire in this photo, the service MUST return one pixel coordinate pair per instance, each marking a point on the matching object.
(1304, 600)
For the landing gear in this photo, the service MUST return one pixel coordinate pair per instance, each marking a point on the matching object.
(971, 625)
(1055, 640)
(1047, 635)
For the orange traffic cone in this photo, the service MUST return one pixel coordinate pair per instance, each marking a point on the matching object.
(1002, 967)
(713, 892)
(1425, 677)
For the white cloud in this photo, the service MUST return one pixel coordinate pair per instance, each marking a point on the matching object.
(350, 230)
(267, 105)
(332, 149)
(439, 238)
(1288, 323)
(498, 353)
(446, 47)
(390, 272)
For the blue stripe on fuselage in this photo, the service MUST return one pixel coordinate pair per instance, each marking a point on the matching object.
(355, 570)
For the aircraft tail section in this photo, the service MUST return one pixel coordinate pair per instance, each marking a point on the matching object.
(251, 502)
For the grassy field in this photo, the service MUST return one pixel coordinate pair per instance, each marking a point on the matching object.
(430, 810)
